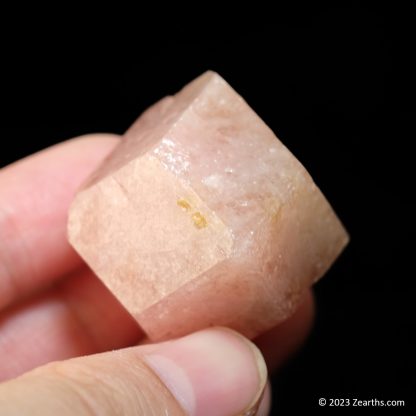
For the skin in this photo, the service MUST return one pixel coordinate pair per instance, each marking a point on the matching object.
(53, 308)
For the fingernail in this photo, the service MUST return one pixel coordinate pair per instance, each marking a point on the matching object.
(215, 372)
(266, 402)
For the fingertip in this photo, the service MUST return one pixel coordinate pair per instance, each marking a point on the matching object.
(212, 372)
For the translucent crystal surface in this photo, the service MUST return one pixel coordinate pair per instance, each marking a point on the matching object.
(201, 216)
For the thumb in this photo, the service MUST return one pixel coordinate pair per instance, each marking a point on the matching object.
(211, 372)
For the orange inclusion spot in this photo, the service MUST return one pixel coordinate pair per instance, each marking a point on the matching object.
(184, 204)
(199, 220)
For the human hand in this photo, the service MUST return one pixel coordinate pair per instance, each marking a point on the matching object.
(53, 308)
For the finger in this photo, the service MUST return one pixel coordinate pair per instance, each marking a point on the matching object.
(78, 317)
(35, 194)
(278, 344)
(212, 372)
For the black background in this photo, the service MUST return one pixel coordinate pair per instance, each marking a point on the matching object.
(337, 87)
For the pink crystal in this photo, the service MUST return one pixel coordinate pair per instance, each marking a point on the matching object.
(201, 216)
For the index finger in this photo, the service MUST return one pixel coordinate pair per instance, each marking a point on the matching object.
(35, 194)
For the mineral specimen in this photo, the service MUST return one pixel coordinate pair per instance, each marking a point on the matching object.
(201, 216)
